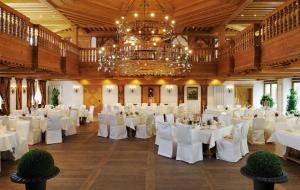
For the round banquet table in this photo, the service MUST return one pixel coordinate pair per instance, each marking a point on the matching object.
(8, 141)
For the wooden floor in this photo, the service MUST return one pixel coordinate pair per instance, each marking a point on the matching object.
(89, 162)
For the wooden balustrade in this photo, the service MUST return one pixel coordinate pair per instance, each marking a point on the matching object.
(284, 19)
(205, 55)
(89, 55)
(247, 50)
(226, 63)
(70, 60)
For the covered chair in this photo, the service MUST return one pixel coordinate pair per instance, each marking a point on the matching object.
(72, 128)
(229, 149)
(117, 127)
(167, 143)
(225, 119)
(257, 135)
(22, 129)
(244, 139)
(189, 149)
(158, 118)
(170, 118)
(35, 134)
(90, 117)
(103, 128)
(54, 130)
(144, 127)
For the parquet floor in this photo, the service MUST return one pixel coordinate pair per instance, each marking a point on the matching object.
(88, 162)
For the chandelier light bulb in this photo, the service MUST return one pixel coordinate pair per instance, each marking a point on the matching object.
(117, 22)
(152, 31)
(154, 44)
(136, 15)
(100, 52)
(167, 17)
(152, 14)
(174, 45)
(173, 21)
(164, 30)
(140, 32)
(190, 51)
(114, 46)
(186, 48)
(103, 48)
(122, 18)
(128, 29)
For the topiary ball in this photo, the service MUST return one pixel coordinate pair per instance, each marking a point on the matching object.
(36, 164)
(264, 164)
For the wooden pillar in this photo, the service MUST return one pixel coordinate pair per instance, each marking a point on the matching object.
(221, 34)
(204, 97)
(74, 35)
(180, 94)
(121, 95)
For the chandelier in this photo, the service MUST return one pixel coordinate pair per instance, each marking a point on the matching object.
(146, 45)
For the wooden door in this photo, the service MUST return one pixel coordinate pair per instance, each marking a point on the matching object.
(151, 94)
(93, 96)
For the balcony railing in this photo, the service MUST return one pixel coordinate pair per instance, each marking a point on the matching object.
(285, 19)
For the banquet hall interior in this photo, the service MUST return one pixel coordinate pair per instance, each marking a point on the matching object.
(149, 94)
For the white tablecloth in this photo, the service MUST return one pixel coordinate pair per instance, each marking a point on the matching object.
(287, 139)
(8, 140)
(131, 122)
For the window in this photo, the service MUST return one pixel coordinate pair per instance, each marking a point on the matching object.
(296, 86)
(271, 89)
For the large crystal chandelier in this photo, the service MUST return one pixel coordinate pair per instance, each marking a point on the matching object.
(145, 45)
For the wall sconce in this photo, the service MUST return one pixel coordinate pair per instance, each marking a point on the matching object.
(109, 88)
(132, 88)
(76, 88)
(13, 88)
(229, 88)
(169, 88)
(24, 88)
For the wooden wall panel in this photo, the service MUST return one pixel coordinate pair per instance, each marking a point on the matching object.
(121, 94)
(15, 51)
(204, 97)
(93, 96)
(48, 60)
(180, 94)
(156, 94)
(72, 64)
(281, 50)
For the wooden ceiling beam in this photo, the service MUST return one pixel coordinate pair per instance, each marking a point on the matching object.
(238, 11)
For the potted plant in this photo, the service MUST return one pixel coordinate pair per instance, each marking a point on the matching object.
(34, 169)
(265, 169)
(292, 102)
(54, 97)
(267, 101)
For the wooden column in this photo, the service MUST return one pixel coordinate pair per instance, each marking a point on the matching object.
(204, 91)
(74, 35)
(121, 95)
(180, 94)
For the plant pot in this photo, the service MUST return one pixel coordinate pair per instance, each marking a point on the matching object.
(33, 183)
(262, 183)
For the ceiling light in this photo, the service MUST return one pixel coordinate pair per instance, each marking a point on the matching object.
(136, 15)
(152, 14)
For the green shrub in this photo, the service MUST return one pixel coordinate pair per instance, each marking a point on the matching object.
(264, 164)
(292, 102)
(36, 164)
(267, 100)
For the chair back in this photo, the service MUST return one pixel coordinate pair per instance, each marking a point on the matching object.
(245, 129)
(237, 132)
(74, 115)
(102, 118)
(22, 129)
(92, 107)
(259, 123)
(54, 122)
(116, 120)
(183, 134)
(225, 120)
(165, 131)
(158, 118)
(170, 118)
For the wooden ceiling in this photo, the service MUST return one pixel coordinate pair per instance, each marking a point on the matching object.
(40, 12)
(98, 17)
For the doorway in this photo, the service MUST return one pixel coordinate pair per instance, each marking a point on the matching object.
(243, 95)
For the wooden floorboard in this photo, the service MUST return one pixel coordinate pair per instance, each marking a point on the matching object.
(88, 162)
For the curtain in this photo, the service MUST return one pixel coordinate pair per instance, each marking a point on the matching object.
(19, 94)
(5, 94)
(42, 86)
(30, 92)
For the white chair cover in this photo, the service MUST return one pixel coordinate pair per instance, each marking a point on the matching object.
(72, 128)
(54, 130)
(144, 127)
(91, 114)
(22, 129)
(158, 118)
(225, 120)
(230, 149)
(258, 131)
(244, 139)
(167, 143)
(189, 149)
(170, 118)
(117, 128)
(103, 129)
